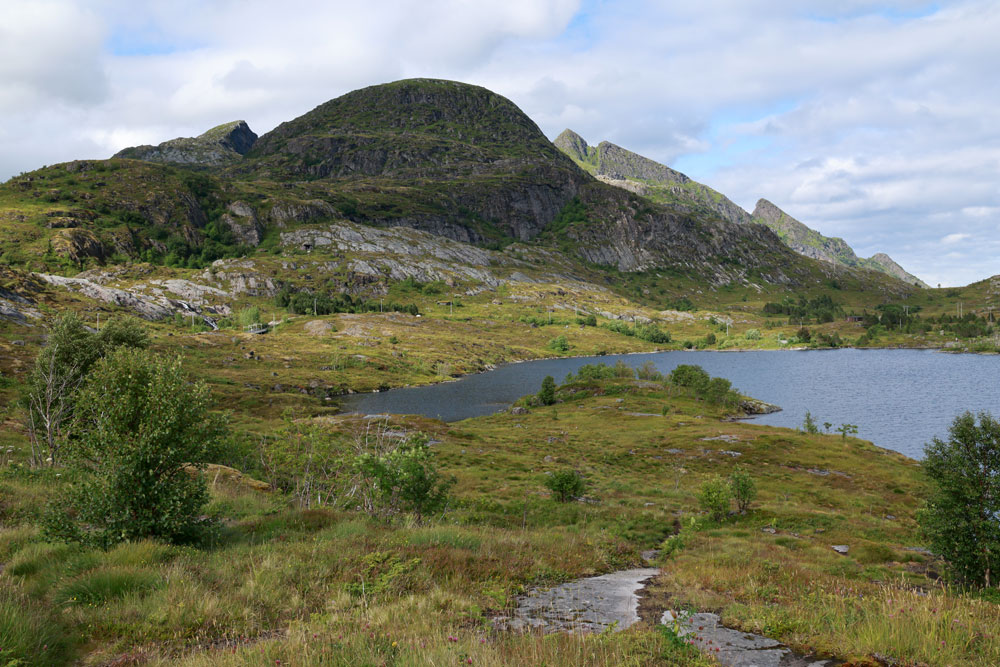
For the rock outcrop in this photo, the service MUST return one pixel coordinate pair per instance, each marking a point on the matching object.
(224, 144)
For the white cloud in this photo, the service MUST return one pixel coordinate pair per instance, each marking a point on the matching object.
(951, 239)
(50, 51)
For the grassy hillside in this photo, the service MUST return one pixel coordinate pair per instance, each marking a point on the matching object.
(310, 583)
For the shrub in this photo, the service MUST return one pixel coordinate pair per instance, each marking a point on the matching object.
(648, 372)
(406, 479)
(547, 394)
(140, 425)
(559, 344)
(687, 375)
(714, 498)
(743, 488)
(962, 517)
(809, 425)
(60, 369)
(248, 316)
(565, 485)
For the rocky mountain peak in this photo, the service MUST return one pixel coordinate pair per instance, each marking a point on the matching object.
(572, 144)
(767, 211)
(223, 144)
(236, 136)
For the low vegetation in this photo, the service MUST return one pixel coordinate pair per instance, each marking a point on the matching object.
(399, 539)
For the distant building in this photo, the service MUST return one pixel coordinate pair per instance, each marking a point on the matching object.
(854, 318)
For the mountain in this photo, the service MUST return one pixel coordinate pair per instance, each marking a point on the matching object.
(617, 166)
(811, 243)
(454, 161)
(220, 145)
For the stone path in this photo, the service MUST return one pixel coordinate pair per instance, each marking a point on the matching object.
(586, 605)
(734, 648)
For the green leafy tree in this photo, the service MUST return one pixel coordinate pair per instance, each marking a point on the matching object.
(49, 396)
(565, 485)
(547, 394)
(714, 498)
(743, 488)
(406, 479)
(962, 516)
(141, 427)
(846, 430)
(559, 344)
(809, 425)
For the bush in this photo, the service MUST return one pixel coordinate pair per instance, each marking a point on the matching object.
(248, 316)
(809, 425)
(60, 369)
(565, 485)
(743, 488)
(547, 394)
(559, 344)
(687, 375)
(714, 498)
(962, 518)
(648, 372)
(140, 426)
(752, 334)
(406, 479)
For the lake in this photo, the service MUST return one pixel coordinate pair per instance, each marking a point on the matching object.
(899, 399)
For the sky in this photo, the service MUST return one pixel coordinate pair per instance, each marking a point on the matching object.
(878, 122)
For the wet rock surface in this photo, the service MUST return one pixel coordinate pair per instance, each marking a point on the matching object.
(734, 648)
(587, 605)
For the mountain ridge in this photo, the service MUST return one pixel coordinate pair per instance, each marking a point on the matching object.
(625, 169)
(809, 242)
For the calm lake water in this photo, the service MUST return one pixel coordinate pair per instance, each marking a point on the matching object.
(899, 399)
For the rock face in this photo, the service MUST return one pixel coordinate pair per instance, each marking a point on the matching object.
(733, 648)
(221, 145)
(503, 176)
(243, 223)
(623, 168)
(155, 306)
(587, 605)
(811, 243)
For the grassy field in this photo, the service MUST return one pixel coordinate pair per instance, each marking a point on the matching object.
(294, 580)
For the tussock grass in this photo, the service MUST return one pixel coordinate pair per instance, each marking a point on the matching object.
(104, 585)
(28, 636)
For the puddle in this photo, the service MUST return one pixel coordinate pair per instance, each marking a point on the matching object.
(734, 648)
(586, 605)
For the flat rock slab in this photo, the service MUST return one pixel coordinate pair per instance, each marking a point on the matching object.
(734, 648)
(586, 605)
